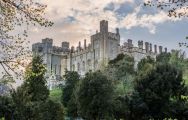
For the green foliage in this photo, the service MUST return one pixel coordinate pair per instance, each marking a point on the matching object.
(163, 57)
(31, 99)
(51, 110)
(145, 64)
(35, 82)
(71, 78)
(120, 68)
(55, 95)
(157, 87)
(118, 58)
(69, 95)
(95, 96)
(178, 60)
(6, 107)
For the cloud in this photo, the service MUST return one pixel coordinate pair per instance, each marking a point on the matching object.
(76, 20)
(149, 21)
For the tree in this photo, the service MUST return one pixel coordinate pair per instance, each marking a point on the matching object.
(15, 14)
(178, 59)
(6, 109)
(163, 57)
(145, 64)
(95, 96)
(29, 97)
(51, 110)
(158, 88)
(175, 8)
(71, 78)
(122, 65)
(36, 83)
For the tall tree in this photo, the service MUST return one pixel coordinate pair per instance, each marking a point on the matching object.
(35, 80)
(158, 87)
(32, 93)
(95, 96)
(13, 45)
(71, 78)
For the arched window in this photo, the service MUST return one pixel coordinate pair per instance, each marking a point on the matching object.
(78, 67)
(83, 65)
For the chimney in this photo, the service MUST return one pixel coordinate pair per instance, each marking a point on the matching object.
(147, 47)
(155, 48)
(85, 44)
(150, 47)
(160, 49)
(166, 50)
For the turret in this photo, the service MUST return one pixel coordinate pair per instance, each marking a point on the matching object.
(65, 45)
(166, 50)
(160, 49)
(147, 47)
(150, 47)
(85, 44)
(104, 26)
(130, 44)
(140, 44)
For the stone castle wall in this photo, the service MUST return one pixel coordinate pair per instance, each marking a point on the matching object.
(104, 46)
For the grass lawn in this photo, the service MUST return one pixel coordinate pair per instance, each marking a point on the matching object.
(55, 95)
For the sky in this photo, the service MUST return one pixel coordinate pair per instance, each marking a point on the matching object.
(76, 20)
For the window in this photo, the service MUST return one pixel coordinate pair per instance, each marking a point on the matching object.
(83, 65)
(78, 66)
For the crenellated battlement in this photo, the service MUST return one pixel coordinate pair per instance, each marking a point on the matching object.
(46, 46)
(142, 47)
(103, 46)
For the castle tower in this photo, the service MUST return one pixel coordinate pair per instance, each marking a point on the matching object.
(65, 45)
(104, 26)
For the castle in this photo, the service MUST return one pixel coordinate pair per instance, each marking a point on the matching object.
(104, 46)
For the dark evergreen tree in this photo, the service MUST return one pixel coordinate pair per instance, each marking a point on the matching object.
(95, 96)
(158, 87)
(51, 110)
(71, 78)
(31, 99)
(6, 107)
